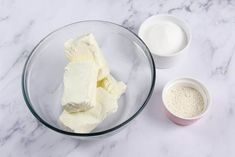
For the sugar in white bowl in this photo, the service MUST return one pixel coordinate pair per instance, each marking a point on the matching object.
(167, 37)
(164, 37)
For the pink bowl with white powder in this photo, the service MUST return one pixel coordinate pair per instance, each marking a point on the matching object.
(188, 83)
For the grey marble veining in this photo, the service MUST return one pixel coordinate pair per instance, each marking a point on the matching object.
(210, 58)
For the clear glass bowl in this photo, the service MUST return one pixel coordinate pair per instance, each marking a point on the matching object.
(128, 58)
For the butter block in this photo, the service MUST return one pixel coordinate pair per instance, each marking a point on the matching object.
(114, 87)
(79, 86)
(76, 51)
(107, 101)
(85, 122)
(86, 48)
(79, 122)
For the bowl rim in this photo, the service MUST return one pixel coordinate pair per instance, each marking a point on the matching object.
(28, 102)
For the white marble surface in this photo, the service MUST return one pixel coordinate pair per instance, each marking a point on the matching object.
(210, 59)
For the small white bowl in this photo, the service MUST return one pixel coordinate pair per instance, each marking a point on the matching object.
(166, 60)
(189, 82)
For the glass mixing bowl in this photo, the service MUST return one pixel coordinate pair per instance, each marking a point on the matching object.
(128, 58)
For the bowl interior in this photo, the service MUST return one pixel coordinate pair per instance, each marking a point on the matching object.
(127, 57)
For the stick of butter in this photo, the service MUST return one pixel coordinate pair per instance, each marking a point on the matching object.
(86, 48)
(79, 86)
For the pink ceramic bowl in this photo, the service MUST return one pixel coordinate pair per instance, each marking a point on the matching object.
(189, 82)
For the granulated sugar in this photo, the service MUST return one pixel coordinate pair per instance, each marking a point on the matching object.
(183, 101)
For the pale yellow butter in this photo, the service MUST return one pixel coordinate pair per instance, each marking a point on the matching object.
(114, 87)
(90, 93)
(79, 86)
(85, 122)
(86, 48)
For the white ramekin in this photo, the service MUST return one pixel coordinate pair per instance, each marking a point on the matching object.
(168, 60)
(190, 83)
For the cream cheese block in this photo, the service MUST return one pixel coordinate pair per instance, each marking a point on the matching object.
(79, 86)
(85, 122)
(86, 48)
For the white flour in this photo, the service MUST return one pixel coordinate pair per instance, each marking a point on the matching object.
(185, 102)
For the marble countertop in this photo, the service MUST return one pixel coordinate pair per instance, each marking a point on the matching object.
(210, 58)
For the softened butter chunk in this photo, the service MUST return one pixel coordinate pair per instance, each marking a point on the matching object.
(86, 48)
(85, 122)
(107, 101)
(114, 87)
(77, 51)
(79, 86)
(79, 122)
